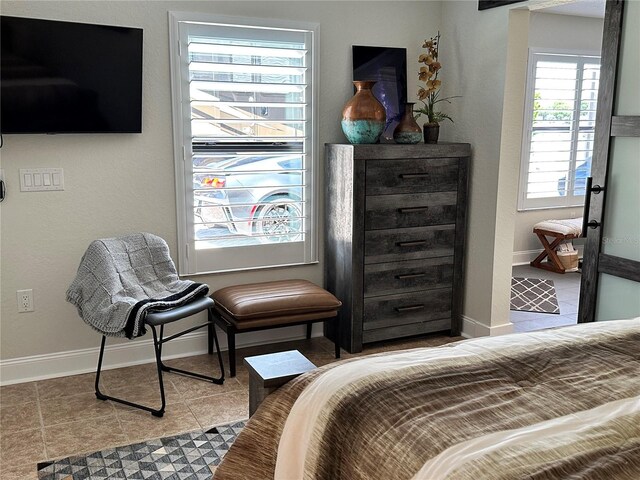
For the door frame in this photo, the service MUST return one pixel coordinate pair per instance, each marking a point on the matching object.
(607, 126)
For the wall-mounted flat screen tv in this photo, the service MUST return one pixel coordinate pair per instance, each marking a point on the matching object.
(64, 77)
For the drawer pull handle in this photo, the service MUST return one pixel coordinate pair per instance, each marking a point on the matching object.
(412, 209)
(407, 176)
(410, 275)
(412, 308)
(415, 243)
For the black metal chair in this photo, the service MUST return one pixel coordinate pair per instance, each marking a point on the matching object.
(160, 319)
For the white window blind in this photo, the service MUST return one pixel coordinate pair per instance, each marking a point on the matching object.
(244, 121)
(560, 115)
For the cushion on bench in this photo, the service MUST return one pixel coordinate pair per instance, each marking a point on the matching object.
(272, 303)
(570, 226)
(278, 321)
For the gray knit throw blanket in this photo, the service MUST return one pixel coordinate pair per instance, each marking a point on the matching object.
(122, 279)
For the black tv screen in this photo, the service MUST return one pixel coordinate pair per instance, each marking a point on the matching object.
(388, 67)
(64, 77)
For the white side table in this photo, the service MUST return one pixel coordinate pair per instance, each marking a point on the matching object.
(268, 372)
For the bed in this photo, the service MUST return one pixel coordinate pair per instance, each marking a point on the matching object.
(561, 403)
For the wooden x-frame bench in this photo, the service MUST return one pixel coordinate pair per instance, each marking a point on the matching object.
(560, 231)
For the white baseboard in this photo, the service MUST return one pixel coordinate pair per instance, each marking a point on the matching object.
(135, 352)
(525, 257)
(472, 328)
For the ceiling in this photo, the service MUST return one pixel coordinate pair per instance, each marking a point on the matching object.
(580, 8)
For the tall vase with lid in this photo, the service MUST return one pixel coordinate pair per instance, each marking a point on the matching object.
(363, 117)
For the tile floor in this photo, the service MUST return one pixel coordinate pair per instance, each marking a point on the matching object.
(60, 417)
(568, 293)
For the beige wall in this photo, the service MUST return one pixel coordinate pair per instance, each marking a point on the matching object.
(567, 32)
(473, 55)
(116, 184)
(512, 121)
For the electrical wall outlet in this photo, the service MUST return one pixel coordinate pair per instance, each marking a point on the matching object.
(25, 300)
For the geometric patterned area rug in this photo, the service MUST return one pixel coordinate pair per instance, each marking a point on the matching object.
(533, 295)
(189, 456)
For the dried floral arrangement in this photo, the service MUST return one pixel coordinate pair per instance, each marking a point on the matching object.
(429, 95)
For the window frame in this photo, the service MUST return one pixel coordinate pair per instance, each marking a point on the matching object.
(544, 203)
(195, 262)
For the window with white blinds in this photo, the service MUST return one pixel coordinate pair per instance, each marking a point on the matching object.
(560, 117)
(244, 134)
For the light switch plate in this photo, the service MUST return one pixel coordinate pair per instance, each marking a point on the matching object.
(36, 179)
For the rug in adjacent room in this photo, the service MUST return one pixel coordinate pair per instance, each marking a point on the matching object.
(189, 456)
(533, 295)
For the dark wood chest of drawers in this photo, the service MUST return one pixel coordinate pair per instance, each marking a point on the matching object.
(395, 218)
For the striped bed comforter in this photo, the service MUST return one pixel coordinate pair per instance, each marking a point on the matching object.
(557, 404)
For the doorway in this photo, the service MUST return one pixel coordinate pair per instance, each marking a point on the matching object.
(550, 138)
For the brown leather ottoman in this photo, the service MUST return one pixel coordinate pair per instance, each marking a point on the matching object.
(261, 306)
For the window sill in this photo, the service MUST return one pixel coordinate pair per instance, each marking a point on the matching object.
(559, 207)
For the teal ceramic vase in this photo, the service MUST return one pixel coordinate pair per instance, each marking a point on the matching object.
(407, 131)
(363, 117)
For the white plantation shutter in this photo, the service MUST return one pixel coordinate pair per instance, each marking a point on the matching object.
(244, 129)
(560, 115)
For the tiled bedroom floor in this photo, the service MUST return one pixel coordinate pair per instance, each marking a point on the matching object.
(60, 417)
(567, 290)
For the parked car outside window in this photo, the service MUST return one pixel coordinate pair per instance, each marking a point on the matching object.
(258, 196)
(580, 180)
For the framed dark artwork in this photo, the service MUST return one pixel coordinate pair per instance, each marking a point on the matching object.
(388, 67)
(486, 4)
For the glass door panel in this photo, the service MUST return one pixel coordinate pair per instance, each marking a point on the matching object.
(617, 298)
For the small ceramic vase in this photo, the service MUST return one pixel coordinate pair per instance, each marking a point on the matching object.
(408, 130)
(363, 117)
